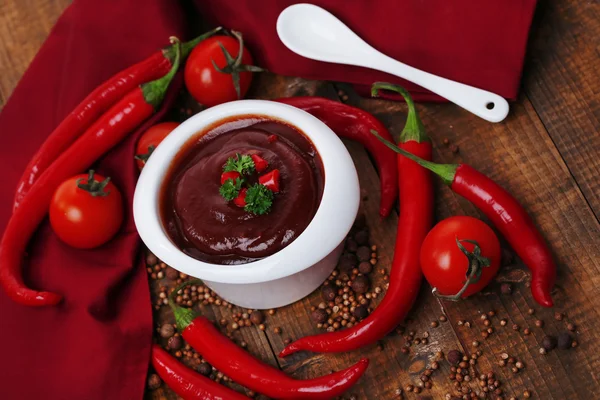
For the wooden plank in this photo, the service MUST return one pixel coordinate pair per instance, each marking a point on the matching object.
(562, 80)
(24, 25)
(520, 155)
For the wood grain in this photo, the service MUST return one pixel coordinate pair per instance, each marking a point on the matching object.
(546, 153)
(562, 80)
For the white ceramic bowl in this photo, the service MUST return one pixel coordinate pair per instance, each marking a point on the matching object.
(291, 273)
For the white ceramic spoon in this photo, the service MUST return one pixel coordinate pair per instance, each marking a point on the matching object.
(315, 33)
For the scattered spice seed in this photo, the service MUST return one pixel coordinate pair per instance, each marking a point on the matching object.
(205, 369)
(319, 315)
(443, 318)
(503, 322)
(434, 324)
(172, 273)
(565, 341)
(526, 331)
(446, 141)
(365, 268)
(571, 327)
(539, 323)
(531, 311)
(543, 351)
(558, 316)
(516, 327)
(526, 394)
(154, 382)
(167, 330)
(454, 357)
(361, 284)
(175, 342)
(277, 330)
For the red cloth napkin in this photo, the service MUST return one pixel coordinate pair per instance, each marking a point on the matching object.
(96, 344)
(480, 43)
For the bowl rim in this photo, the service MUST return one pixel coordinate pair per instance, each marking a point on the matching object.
(328, 228)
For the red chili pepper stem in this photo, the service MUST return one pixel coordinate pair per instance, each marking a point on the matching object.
(154, 92)
(92, 186)
(187, 47)
(414, 128)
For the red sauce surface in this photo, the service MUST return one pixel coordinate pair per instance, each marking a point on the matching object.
(205, 226)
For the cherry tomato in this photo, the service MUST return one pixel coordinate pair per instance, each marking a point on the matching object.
(208, 85)
(86, 213)
(446, 266)
(150, 141)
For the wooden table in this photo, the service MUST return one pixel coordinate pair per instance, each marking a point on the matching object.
(546, 153)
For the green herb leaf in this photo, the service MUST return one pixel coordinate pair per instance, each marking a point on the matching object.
(258, 199)
(230, 189)
(240, 163)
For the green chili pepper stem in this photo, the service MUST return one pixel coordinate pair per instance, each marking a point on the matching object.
(183, 316)
(444, 171)
(414, 129)
(154, 92)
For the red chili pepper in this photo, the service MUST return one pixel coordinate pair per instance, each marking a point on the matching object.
(233, 175)
(270, 180)
(355, 124)
(94, 105)
(414, 221)
(506, 213)
(259, 163)
(252, 373)
(240, 200)
(186, 382)
(106, 132)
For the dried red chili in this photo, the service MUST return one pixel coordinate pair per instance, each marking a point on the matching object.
(252, 373)
(106, 132)
(355, 124)
(506, 213)
(414, 221)
(94, 105)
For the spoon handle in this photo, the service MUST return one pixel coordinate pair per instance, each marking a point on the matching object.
(484, 104)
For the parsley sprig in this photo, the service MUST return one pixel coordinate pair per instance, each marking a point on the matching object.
(258, 199)
(240, 163)
(230, 189)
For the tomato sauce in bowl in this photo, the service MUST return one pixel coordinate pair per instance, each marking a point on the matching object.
(205, 226)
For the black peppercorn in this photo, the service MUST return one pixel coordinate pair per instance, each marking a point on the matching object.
(365, 267)
(175, 342)
(319, 315)
(328, 293)
(205, 369)
(454, 357)
(347, 262)
(363, 253)
(351, 245)
(565, 340)
(548, 343)
(361, 312)
(362, 237)
(361, 284)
